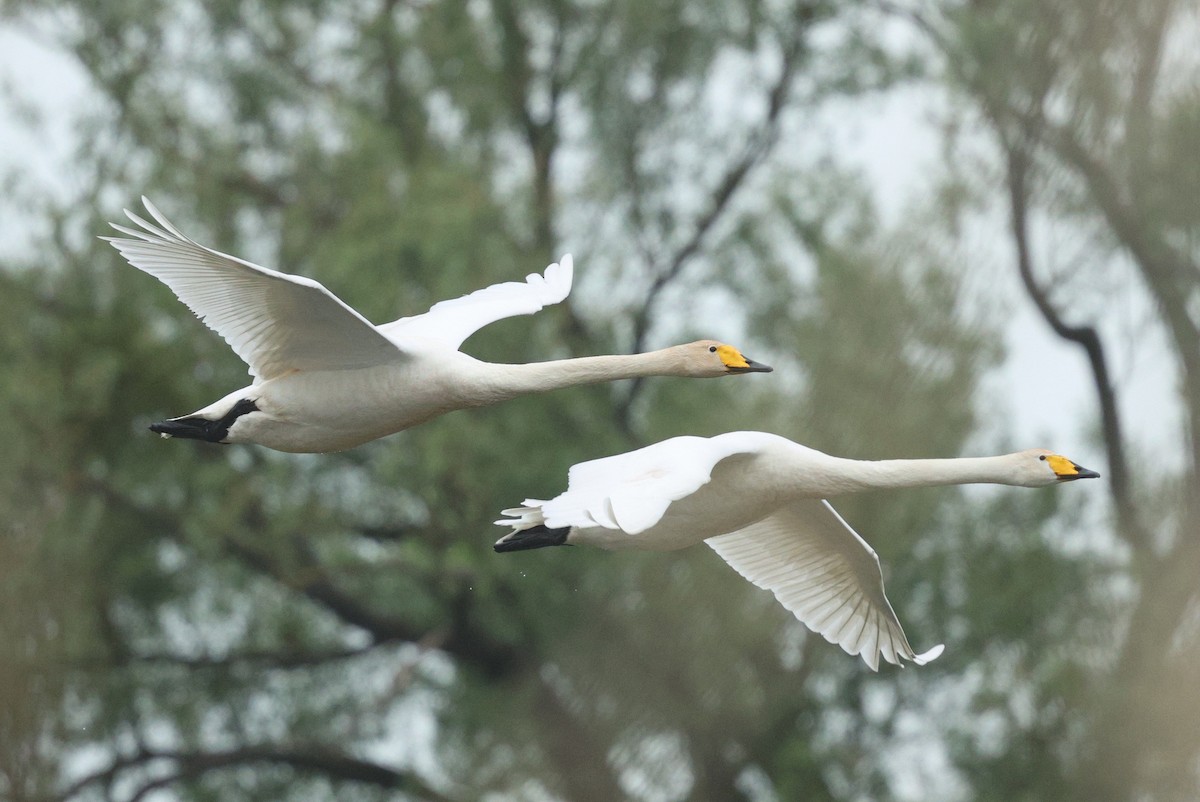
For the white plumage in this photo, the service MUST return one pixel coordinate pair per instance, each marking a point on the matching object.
(452, 322)
(326, 379)
(275, 322)
(759, 501)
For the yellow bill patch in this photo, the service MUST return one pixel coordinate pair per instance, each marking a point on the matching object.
(732, 357)
(1062, 466)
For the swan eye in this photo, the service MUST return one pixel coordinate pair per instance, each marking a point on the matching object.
(712, 349)
(1042, 457)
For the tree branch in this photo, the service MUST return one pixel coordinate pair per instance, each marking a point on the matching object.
(1087, 338)
(1125, 729)
(106, 775)
(315, 585)
(266, 658)
(460, 638)
(759, 148)
(311, 760)
(734, 176)
(1139, 116)
(402, 112)
(541, 136)
(1169, 275)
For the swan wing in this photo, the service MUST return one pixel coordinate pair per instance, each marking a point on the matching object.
(451, 322)
(630, 492)
(275, 322)
(822, 571)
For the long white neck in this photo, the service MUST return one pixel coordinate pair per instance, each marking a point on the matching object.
(498, 382)
(837, 476)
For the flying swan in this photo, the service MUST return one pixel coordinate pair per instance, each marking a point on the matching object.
(759, 501)
(326, 379)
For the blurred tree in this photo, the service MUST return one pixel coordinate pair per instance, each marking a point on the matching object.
(238, 624)
(1095, 107)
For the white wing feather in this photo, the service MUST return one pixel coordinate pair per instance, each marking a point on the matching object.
(631, 491)
(274, 321)
(452, 322)
(829, 577)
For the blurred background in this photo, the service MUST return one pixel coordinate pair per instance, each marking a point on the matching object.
(954, 227)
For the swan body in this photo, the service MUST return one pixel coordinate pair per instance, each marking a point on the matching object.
(759, 500)
(326, 379)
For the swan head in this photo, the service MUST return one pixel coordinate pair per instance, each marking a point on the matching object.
(1039, 467)
(713, 358)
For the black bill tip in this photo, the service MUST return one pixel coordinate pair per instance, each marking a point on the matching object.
(1080, 473)
(752, 367)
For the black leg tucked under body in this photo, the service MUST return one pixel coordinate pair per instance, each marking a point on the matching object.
(534, 538)
(213, 431)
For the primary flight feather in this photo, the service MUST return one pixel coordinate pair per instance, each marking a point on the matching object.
(326, 379)
(759, 500)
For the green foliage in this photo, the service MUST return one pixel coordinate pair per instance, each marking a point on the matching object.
(178, 598)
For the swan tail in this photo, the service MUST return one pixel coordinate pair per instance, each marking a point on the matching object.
(527, 516)
(529, 528)
(535, 537)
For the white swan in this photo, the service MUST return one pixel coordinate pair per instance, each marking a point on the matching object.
(758, 500)
(326, 379)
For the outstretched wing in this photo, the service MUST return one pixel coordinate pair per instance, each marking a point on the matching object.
(821, 570)
(630, 492)
(451, 322)
(275, 322)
